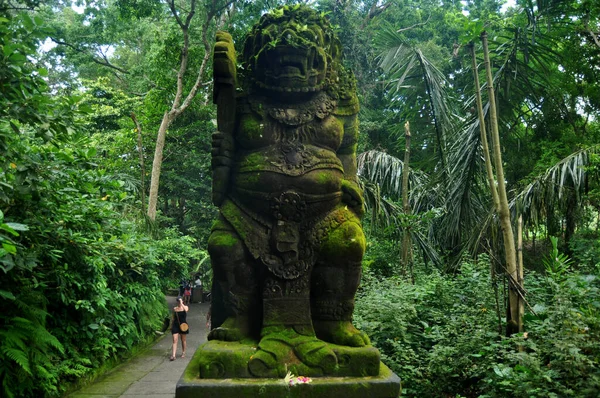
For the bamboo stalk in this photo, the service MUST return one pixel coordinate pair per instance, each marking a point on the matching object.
(515, 322)
(406, 241)
(483, 133)
(520, 268)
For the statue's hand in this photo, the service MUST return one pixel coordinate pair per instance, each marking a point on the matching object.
(222, 146)
(222, 154)
(352, 196)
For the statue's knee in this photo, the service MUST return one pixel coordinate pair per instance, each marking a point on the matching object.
(345, 242)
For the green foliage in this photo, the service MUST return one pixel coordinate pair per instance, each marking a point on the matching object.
(82, 282)
(441, 335)
(86, 263)
(556, 264)
(585, 247)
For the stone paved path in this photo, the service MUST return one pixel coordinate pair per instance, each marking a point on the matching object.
(150, 374)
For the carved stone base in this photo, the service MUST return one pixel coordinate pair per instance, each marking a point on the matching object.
(385, 385)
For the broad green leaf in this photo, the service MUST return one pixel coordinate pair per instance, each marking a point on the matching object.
(17, 226)
(7, 295)
(9, 247)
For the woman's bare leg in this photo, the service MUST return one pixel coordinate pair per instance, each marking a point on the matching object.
(174, 348)
(183, 344)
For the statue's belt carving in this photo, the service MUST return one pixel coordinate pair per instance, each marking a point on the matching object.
(286, 240)
(290, 158)
(268, 208)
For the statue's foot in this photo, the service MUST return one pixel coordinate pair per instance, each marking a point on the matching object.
(277, 349)
(341, 333)
(233, 329)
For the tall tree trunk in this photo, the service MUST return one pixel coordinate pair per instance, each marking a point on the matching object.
(181, 214)
(157, 165)
(138, 128)
(515, 323)
(406, 240)
(570, 219)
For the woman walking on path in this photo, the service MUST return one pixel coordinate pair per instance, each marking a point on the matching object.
(179, 317)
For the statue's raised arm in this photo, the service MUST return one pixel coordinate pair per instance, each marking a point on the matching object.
(223, 145)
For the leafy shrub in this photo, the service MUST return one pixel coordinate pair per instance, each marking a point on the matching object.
(441, 335)
(81, 282)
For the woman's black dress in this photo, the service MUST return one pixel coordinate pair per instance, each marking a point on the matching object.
(182, 315)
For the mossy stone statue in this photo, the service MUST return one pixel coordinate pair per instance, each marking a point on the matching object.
(287, 247)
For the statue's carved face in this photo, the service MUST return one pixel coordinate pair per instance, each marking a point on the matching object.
(292, 54)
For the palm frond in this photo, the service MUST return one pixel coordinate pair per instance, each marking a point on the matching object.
(383, 210)
(427, 249)
(386, 170)
(548, 190)
(408, 70)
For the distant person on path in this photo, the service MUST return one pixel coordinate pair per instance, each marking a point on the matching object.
(179, 317)
(187, 293)
(198, 289)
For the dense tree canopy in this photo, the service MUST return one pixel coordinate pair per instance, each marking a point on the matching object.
(88, 86)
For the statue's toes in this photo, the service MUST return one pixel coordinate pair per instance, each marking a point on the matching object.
(225, 334)
(341, 333)
(216, 334)
(317, 354)
(264, 364)
(356, 339)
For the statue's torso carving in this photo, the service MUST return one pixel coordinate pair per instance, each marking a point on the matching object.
(288, 147)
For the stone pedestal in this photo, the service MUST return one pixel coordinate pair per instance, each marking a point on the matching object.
(221, 369)
(385, 385)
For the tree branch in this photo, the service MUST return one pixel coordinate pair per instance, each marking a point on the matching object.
(174, 12)
(414, 26)
(207, 53)
(104, 61)
(591, 33)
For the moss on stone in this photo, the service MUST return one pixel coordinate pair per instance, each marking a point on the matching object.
(347, 240)
(232, 215)
(225, 360)
(255, 159)
(324, 177)
(252, 128)
(386, 385)
(224, 64)
(227, 240)
(249, 178)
